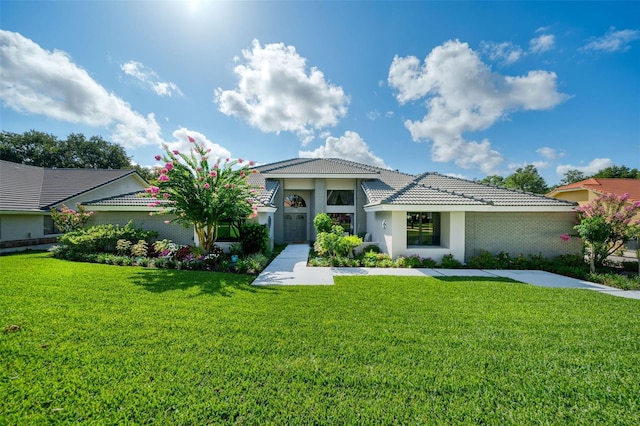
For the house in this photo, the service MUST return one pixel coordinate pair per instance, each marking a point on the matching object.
(588, 190)
(28, 193)
(430, 215)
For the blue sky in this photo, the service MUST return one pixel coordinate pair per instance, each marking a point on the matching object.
(460, 88)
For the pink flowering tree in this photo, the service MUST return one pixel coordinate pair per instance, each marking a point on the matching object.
(67, 220)
(605, 224)
(203, 195)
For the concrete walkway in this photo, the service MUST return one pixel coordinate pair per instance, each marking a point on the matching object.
(290, 268)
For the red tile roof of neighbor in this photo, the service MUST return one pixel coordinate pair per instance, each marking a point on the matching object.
(606, 186)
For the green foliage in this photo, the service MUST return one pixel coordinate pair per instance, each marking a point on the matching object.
(450, 262)
(140, 249)
(572, 176)
(348, 243)
(618, 172)
(526, 179)
(256, 262)
(203, 195)
(494, 180)
(113, 345)
(76, 151)
(123, 247)
(254, 238)
(104, 238)
(67, 220)
(323, 223)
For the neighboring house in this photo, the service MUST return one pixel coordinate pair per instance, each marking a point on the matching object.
(588, 190)
(28, 193)
(430, 215)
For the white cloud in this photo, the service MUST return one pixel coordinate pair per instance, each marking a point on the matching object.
(462, 94)
(349, 147)
(550, 153)
(593, 167)
(276, 93)
(182, 144)
(373, 115)
(536, 164)
(613, 41)
(150, 79)
(542, 43)
(38, 81)
(505, 52)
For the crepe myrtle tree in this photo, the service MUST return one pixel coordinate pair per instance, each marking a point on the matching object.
(203, 195)
(605, 224)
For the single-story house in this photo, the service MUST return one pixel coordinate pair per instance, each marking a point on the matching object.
(28, 193)
(430, 214)
(588, 190)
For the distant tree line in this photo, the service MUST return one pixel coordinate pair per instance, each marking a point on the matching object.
(41, 149)
(528, 179)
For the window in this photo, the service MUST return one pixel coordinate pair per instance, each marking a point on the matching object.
(229, 231)
(49, 226)
(343, 219)
(294, 201)
(423, 229)
(340, 197)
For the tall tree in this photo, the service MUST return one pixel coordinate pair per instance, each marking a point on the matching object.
(573, 176)
(44, 150)
(620, 172)
(494, 180)
(526, 179)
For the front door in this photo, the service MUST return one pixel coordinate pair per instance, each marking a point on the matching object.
(295, 227)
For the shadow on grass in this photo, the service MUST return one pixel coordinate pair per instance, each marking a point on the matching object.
(212, 283)
(453, 279)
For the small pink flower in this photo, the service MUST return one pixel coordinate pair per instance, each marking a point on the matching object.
(242, 173)
(191, 139)
(198, 169)
(213, 173)
(226, 185)
(176, 152)
(166, 195)
(227, 160)
(158, 157)
(215, 166)
(209, 150)
(169, 166)
(261, 186)
(252, 163)
(565, 237)
(207, 186)
(164, 171)
(163, 178)
(167, 222)
(240, 160)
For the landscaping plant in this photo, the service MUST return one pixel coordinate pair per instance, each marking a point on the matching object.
(197, 193)
(67, 220)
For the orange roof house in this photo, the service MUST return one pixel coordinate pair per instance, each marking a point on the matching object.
(586, 191)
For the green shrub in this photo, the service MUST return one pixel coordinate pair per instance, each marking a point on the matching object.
(104, 238)
(616, 280)
(254, 238)
(450, 262)
(348, 243)
(322, 222)
(123, 247)
(327, 244)
(256, 262)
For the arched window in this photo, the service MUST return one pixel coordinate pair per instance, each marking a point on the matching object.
(294, 201)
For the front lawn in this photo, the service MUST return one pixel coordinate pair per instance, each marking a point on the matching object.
(115, 345)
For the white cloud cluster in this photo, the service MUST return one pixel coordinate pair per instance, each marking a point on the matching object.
(592, 168)
(613, 41)
(149, 78)
(182, 144)
(550, 153)
(505, 52)
(350, 146)
(38, 81)
(542, 43)
(462, 94)
(275, 93)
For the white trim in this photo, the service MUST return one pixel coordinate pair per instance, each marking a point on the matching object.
(320, 175)
(455, 208)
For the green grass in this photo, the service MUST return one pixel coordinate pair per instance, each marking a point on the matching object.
(117, 345)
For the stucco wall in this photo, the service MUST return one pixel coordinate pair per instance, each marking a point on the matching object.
(516, 233)
(176, 233)
(21, 226)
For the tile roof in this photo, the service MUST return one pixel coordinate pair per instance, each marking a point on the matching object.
(605, 186)
(35, 188)
(437, 189)
(123, 200)
(316, 166)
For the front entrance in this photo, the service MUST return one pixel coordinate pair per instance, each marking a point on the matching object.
(295, 227)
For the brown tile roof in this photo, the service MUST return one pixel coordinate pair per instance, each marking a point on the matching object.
(605, 186)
